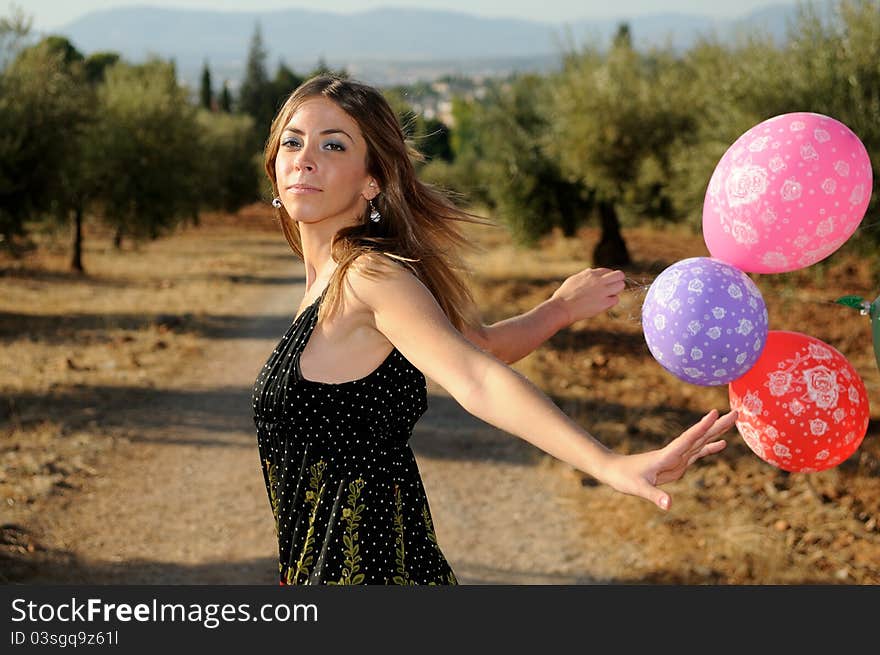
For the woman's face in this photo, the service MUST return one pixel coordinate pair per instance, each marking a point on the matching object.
(320, 168)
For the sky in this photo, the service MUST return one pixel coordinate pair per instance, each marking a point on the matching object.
(52, 14)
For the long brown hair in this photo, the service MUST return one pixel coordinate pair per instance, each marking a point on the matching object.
(419, 226)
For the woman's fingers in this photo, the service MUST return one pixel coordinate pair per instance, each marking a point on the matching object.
(707, 440)
(615, 281)
(695, 442)
(709, 449)
(697, 431)
(723, 424)
(705, 430)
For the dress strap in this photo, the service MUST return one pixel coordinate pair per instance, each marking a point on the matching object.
(306, 330)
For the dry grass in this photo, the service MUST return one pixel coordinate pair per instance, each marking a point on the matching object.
(736, 519)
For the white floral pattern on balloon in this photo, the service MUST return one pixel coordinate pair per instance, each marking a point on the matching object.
(802, 407)
(705, 321)
(787, 193)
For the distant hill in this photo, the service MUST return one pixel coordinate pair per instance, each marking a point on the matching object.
(379, 46)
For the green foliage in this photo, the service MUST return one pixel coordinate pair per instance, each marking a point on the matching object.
(96, 63)
(427, 135)
(524, 183)
(728, 90)
(285, 83)
(14, 30)
(638, 134)
(62, 47)
(145, 149)
(44, 109)
(256, 93)
(834, 69)
(434, 141)
(226, 174)
(259, 96)
(323, 68)
(830, 64)
(95, 134)
(206, 94)
(468, 172)
(225, 102)
(615, 119)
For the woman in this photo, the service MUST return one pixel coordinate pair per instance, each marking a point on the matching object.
(385, 305)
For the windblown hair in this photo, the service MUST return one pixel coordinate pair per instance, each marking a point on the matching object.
(419, 226)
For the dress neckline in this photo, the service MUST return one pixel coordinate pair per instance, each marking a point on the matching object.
(304, 340)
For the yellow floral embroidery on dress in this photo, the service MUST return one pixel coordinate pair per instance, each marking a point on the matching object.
(429, 527)
(402, 576)
(272, 471)
(352, 517)
(313, 498)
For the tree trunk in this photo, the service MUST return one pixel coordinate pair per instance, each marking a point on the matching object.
(572, 207)
(570, 214)
(76, 259)
(117, 238)
(611, 250)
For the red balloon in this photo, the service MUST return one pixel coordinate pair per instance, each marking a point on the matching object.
(802, 406)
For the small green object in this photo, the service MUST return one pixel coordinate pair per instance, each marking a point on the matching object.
(856, 302)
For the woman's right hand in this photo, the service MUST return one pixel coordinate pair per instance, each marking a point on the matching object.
(642, 473)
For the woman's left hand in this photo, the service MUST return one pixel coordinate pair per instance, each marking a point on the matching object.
(588, 292)
(640, 474)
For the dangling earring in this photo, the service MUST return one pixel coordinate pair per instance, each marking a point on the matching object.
(276, 203)
(375, 216)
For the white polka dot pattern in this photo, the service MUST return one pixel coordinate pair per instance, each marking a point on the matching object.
(343, 483)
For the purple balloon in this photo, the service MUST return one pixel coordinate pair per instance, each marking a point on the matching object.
(705, 321)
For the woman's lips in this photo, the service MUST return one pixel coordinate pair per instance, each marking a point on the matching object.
(303, 190)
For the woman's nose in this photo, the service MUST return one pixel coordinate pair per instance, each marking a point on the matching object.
(304, 160)
(304, 163)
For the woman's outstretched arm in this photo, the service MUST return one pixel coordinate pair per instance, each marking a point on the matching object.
(406, 312)
(582, 295)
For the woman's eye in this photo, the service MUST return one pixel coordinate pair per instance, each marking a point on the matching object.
(331, 145)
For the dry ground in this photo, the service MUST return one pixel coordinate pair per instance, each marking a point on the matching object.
(126, 452)
(737, 520)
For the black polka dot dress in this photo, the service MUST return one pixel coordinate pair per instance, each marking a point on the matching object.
(342, 481)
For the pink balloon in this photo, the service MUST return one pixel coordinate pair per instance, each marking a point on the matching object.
(787, 194)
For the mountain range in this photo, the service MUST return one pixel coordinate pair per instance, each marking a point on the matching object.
(382, 46)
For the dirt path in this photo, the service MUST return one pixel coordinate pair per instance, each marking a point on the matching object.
(181, 500)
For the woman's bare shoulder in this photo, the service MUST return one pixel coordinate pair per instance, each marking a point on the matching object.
(373, 279)
(379, 263)
(408, 315)
(379, 273)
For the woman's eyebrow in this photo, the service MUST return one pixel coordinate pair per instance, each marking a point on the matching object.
(333, 130)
